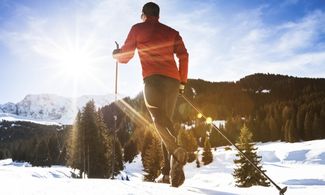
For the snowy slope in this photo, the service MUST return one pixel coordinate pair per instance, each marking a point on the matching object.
(50, 107)
(300, 166)
(13, 117)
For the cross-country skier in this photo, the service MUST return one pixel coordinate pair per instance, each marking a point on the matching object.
(163, 81)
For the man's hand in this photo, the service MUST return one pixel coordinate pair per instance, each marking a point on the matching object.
(115, 53)
(181, 88)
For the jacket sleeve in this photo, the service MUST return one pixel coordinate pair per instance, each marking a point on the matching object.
(182, 56)
(127, 50)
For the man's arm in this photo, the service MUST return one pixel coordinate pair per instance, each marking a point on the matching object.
(126, 52)
(182, 56)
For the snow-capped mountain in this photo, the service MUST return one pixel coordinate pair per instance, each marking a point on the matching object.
(50, 107)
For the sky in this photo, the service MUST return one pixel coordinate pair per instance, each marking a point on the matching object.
(64, 47)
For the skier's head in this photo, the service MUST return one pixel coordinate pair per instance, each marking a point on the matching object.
(150, 9)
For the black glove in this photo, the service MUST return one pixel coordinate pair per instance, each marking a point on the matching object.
(115, 53)
(181, 88)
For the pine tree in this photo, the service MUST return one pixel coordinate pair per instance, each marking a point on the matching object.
(105, 144)
(89, 144)
(215, 138)
(193, 146)
(322, 118)
(54, 151)
(245, 174)
(118, 158)
(308, 125)
(300, 122)
(287, 131)
(274, 129)
(147, 141)
(187, 140)
(152, 161)
(63, 156)
(31, 151)
(75, 146)
(207, 156)
(42, 157)
(317, 127)
(130, 151)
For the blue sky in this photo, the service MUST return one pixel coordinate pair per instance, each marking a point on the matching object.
(64, 47)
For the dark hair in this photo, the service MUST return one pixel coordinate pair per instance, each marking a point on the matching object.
(151, 9)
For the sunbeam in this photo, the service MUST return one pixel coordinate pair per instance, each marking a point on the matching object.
(134, 115)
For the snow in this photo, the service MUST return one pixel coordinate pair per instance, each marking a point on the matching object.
(24, 170)
(219, 123)
(12, 117)
(266, 91)
(263, 91)
(299, 166)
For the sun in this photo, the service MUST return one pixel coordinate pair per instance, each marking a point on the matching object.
(75, 63)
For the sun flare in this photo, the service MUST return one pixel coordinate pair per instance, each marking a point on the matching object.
(75, 63)
(76, 60)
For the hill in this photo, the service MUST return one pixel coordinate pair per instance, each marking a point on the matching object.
(275, 107)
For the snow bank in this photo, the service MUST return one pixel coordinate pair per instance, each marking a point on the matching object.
(23, 170)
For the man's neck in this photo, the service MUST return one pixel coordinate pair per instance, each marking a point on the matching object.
(151, 18)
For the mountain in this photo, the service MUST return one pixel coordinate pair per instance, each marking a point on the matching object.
(225, 99)
(50, 107)
(275, 107)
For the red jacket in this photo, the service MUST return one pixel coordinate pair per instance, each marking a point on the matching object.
(156, 44)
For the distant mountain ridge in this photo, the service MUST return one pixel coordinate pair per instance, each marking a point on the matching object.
(51, 107)
(225, 99)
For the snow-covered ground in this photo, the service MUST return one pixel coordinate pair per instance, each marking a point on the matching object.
(300, 166)
(13, 117)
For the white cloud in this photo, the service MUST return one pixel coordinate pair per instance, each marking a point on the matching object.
(244, 44)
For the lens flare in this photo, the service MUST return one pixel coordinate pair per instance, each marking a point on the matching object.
(199, 115)
(208, 120)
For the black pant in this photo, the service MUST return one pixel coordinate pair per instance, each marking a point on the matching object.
(160, 94)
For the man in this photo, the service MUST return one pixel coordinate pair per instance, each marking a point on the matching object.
(163, 81)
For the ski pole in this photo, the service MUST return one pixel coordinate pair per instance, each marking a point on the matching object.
(116, 72)
(281, 190)
(115, 116)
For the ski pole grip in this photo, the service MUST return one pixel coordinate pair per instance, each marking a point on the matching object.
(117, 45)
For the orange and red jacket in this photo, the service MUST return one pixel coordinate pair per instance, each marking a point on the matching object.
(156, 44)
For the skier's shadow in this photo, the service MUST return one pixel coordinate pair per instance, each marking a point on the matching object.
(306, 182)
